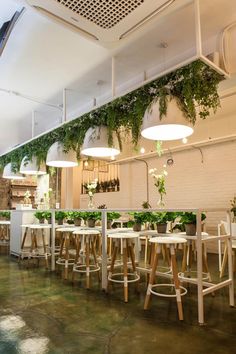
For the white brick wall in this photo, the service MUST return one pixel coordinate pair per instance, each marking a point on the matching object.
(190, 183)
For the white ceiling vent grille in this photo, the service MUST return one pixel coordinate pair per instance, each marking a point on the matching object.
(104, 13)
(106, 21)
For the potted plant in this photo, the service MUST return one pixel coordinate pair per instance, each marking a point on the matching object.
(5, 215)
(48, 216)
(189, 220)
(60, 216)
(138, 220)
(160, 219)
(78, 217)
(110, 217)
(40, 216)
(92, 217)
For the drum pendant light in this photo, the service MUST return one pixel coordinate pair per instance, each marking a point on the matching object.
(9, 174)
(96, 143)
(173, 126)
(29, 167)
(57, 157)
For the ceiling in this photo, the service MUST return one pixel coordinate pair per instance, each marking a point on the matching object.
(42, 57)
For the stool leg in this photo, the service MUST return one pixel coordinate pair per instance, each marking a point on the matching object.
(184, 261)
(146, 250)
(167, 256)
(63, 241)
(151, 280)
(224, 262)
(125, 265)
(95, 256)
(44, 249)
(113, 259)
(132, 256)
(67, 243)
(205, 263)
(23, 244)
(87, 261)
(176, 283)
(77, 254)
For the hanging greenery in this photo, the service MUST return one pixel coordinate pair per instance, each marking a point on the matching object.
(194, 85)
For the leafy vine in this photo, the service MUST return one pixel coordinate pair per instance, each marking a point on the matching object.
(194, 85)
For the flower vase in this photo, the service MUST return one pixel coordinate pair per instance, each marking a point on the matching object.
(91, 202)
(160, 203)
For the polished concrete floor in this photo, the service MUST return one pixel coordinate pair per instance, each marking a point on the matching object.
(41, 313)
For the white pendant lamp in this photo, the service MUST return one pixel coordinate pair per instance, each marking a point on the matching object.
(173, 126)
(57, 157)
(96, 143)
(29, 167)
(9, 174)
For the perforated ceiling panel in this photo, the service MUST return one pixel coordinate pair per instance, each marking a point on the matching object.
(104, 13)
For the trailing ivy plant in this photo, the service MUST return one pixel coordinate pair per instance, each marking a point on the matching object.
(194, 85)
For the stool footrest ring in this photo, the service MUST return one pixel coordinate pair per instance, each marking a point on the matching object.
(82, 268)
(184, 290)
(135, 275)
(183, 275)
(62, 261)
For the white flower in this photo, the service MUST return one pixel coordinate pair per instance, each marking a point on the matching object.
(151, 171)
(164, 166)
(165, 173)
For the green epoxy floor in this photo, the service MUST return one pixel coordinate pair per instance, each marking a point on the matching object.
(40, 313)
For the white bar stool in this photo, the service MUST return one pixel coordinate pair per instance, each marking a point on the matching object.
(127, 243)
(171, 242)
(187, 256)
(36, 250)
(65, 259)
(87, 237)
(5, 234)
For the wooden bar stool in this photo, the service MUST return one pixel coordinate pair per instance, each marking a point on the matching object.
(66, 255)
(171, 243)
(187, 261)
(125, 242)
(5, 234)
(37, 249)
(82, 263)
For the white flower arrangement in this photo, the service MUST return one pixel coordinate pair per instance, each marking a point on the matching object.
(159, 182)
(91, 187)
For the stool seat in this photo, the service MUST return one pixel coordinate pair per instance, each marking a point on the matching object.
(124, 235)
(168, 240)
(194, 237)
(5, 222)
(148, 233)
(86, 232)
(66, 229)
(39, 226)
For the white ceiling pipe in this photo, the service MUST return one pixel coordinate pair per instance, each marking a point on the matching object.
(179, 148)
